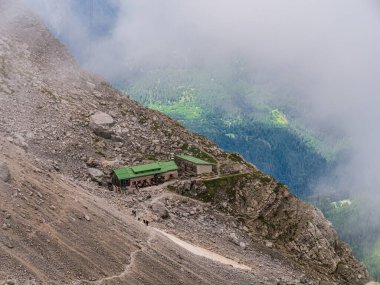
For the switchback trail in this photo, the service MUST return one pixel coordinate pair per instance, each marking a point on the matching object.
(204, 252)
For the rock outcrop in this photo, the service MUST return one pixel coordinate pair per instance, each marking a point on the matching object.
(277, 218)
(101, 123)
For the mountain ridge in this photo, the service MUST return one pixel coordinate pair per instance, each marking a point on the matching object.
(46, 104)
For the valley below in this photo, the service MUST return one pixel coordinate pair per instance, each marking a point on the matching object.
(62, 224)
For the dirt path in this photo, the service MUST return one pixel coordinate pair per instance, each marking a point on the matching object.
(204, 252)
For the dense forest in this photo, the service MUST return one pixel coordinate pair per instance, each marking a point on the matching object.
(242, 116)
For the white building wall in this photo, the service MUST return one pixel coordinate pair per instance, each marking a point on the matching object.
(201, 169)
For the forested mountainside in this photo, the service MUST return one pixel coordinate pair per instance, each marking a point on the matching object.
(225, 104)
(248, 117)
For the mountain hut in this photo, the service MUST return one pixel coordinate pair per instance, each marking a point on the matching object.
(192, 165)
(144, 175)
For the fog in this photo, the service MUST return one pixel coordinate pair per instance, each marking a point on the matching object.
(328, 51)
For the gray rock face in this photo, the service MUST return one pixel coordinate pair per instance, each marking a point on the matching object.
(100, 123)
(4, 172)
(160, 209)
(95, 174)
(280, 220)
(101, 119)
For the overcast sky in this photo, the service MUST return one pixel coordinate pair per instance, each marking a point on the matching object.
(328, 50)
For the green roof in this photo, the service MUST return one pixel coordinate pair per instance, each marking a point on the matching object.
(146, 167)
(194, 159)
(126, 173)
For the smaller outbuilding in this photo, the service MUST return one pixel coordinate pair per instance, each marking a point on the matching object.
(144, 175)
(192, 165)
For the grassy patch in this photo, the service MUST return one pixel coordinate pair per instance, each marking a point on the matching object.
(194, 151)
(171, 188)
(235, 157)
(226, 184)
(150, 157)
(265, 179)
(231, 136)
(187, 110)
(279, 118)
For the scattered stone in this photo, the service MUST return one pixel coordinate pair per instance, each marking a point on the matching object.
(20, 141)
(9, 243)
(269, 244)
(4, 172)
(95, 174)
(234, 238)
(87, 217)
(101, 119)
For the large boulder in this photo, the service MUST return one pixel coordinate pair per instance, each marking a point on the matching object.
(4, 172)
(95, 174)
(160, 209)
(101, 119)
(101, 123)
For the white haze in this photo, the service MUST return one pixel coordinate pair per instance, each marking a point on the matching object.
(328, 50)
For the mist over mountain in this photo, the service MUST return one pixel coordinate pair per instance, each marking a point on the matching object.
(324, 54)
(326, 51)
(64, 132)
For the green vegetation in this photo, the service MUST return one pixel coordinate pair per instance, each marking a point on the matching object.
(235, 157)
(185, 107)
(358, 224)
(150, 157)
(225, 184)
(171, 188)
(231, 136)
(279, 118)
(371, 258)
(265, 124)
(240, 115)
(198, 153)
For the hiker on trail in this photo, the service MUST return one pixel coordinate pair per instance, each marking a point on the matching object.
(136, 188)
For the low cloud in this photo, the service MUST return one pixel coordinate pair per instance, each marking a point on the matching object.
(328, 51)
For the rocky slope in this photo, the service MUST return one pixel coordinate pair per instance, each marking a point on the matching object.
(62, 127)
(56, 232)
(278, 219)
